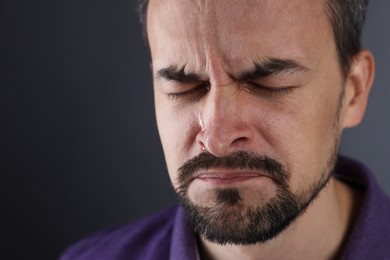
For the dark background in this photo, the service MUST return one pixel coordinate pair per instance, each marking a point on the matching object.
(80, 149)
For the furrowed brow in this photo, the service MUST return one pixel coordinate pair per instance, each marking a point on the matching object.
(175, 73)
(272, 67)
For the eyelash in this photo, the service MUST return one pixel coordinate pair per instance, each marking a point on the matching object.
(249, 86)
(196, 92)
(271, 91)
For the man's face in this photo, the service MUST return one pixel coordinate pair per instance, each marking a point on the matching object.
(245, 80)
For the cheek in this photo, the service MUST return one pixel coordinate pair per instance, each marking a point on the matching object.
(301, 134)
(177, 128)
(321, 142)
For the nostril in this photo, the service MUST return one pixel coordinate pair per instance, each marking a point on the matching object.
(240, 139)
(202, 146)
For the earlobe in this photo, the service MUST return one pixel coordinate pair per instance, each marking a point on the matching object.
(357, 88)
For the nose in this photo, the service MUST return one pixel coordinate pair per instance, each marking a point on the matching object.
(224, 128)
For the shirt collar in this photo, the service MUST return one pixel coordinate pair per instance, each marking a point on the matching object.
(183, 244)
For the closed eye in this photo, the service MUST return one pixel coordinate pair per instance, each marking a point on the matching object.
(259, 89)
(193, 94)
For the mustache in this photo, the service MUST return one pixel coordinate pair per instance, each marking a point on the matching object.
(238, 160)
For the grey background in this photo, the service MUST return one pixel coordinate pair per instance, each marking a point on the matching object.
(80, 149)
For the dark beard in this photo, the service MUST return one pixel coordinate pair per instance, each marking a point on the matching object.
(232, 222)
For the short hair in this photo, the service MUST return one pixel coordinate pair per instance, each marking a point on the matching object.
(347, 19)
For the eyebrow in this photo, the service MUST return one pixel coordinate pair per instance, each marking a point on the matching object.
(179, 74)
(272, 67)
(264, 69)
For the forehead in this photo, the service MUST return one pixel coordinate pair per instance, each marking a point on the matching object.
(237, 32)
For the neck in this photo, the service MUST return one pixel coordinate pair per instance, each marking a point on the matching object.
(319, 233)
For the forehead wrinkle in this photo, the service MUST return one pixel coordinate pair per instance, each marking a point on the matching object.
(216, 32)
(209, 35)
(216, 40)
(200, 24)
(182, 21)
(198, 27)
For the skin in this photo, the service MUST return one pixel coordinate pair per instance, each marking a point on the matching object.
(219, 41)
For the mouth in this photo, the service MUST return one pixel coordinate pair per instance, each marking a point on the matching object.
(237, 168)
(228, 177)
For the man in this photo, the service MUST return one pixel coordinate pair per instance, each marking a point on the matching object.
(251, 100)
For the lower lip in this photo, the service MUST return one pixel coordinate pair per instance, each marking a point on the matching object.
(227, 181)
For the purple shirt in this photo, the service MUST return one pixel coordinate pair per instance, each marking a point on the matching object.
(166, 235)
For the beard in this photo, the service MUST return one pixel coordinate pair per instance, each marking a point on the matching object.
(229, 220)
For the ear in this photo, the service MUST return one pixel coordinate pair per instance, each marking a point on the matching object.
(357, 88)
